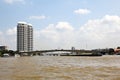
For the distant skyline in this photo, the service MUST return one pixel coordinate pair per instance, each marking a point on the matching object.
(83, 24)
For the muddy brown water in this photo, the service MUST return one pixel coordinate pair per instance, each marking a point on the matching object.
(60, 68)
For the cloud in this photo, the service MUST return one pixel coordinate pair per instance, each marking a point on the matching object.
(14, 1)
(1, 33)
(37, 17)
(55, 35)
(102, 32)
(105, 26)
(11, 31)
(64, 26)
(54, 31)
(8, 38)
(82, 11)
(98, 33)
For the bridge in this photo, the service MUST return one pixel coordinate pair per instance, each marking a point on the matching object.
(41, 52)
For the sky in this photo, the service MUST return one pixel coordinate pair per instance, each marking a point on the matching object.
(62, 24)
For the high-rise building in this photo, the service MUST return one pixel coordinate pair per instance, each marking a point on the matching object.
(24, 37)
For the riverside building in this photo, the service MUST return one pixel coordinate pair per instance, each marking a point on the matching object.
(3, 48)
(24, 37)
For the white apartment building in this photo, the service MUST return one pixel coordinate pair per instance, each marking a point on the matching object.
(24, 37)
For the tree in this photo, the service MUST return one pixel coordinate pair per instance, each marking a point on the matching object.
(0, 53)
(118, 47)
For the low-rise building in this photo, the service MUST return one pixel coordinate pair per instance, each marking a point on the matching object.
(3, 48)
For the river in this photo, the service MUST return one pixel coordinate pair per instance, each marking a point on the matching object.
(60, 68)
